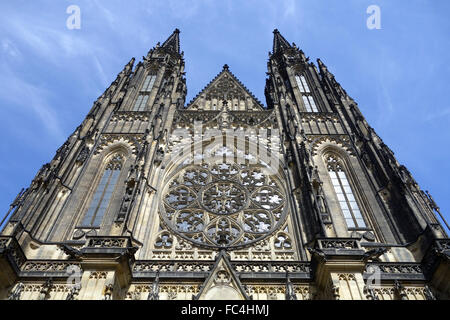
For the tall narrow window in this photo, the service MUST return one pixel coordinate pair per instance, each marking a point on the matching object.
(347, 201)
(148, 83)
(140, 103)
(302, 84)
(310, 105)
(103, 192)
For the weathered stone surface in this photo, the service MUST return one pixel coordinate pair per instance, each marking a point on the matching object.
(224, 197)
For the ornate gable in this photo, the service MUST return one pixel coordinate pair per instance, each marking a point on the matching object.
(222, 282)
(225, 90)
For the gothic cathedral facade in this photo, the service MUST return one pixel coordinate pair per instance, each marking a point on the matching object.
(224, 198)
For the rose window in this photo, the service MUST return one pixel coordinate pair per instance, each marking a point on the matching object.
(223, 205)
(223, 198)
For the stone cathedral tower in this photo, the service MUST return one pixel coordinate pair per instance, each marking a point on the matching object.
(222, 197)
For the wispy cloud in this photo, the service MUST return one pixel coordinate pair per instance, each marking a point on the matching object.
(109, 16)
(101, 71)
(289, 8)
(438, 114)
(18, 93)
(48, 42)
(10, 49)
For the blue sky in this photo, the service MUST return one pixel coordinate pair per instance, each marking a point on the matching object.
(51, 75)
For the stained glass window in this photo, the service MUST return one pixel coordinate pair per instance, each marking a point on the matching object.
(140, 103)
(302, 84)
(344, 193)
(310, 105)
(148, 83)
(103, 193)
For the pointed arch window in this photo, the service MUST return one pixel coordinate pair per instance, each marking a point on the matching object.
(302, 84)
(140, 103)
(308, 99)
(148, 83)
(310, 105)
(344, 193)
(103, 192)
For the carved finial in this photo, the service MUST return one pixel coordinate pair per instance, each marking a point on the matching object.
(428, 293)
(320, 62)
(225, 67)
(73, 293)
(432, 202)
(176, 30)
(108, 292)
(400, 290)
(154, 293)
(45, 289)
(290, 290)
(16, 292)
(276, 31)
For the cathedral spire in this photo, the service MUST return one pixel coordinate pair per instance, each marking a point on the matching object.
(328, 75)
(129, 66)
(279, 42)
(323, 68)
(173, 42)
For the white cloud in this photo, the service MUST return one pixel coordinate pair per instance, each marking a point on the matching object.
(50, 43)
(30, 97)
(289, 8)
(101, 72)
(10, 49)
(439, 114)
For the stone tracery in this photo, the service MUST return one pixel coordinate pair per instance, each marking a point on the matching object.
(223, 204)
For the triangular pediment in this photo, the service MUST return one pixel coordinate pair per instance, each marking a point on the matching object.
(225, 90)
(222, 282)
